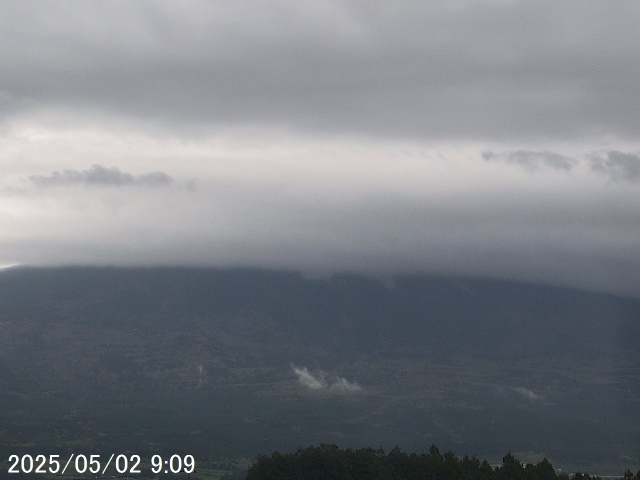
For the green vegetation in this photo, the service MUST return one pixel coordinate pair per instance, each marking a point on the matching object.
(331, 463)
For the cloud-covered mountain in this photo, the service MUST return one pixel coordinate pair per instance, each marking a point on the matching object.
(497, 139)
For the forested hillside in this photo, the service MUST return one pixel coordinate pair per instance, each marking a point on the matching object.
(332, 463)
(230, 363)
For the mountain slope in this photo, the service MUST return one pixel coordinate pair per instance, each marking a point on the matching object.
(204, 361)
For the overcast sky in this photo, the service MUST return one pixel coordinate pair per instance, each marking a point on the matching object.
(494, 138)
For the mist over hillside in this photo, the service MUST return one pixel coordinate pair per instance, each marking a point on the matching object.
(236, 362)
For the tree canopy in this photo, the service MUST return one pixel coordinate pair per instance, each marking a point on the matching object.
(328, 462)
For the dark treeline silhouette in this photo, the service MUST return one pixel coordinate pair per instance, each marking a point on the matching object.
(332, 463)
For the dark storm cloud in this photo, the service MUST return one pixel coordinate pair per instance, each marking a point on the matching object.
(98, 175)
(483, 70)
(618, 166)
(532, 160)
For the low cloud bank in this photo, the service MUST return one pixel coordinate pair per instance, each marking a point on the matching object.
(320, 380)
(618, 166)
(615, 165)
(532, 160)
(98, 175)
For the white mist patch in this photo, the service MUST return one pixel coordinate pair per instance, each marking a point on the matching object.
(528, 394)
(345, 386)
(319, 380)
(306, 378)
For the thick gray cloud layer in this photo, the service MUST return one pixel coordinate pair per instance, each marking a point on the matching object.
(490, 138)
(482, 70)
